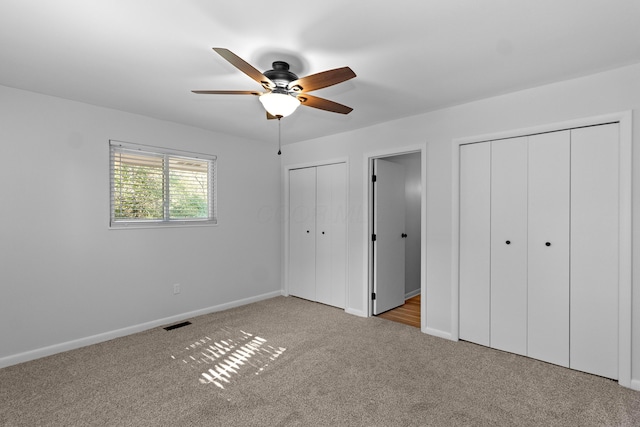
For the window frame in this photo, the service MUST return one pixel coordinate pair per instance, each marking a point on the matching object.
(166, 153)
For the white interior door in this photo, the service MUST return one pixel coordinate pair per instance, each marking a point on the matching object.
(548, 272)
(594, 250)
(331, 234)
(475, 242)
(389, 227)
(302, 233)
(509, 245)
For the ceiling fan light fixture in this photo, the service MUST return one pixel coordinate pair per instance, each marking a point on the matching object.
(284, 90)
(279, 104)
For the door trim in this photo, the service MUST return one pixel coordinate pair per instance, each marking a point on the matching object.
(624, 119)
(367, 286)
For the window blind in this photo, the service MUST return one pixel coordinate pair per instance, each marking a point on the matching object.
(154, 186)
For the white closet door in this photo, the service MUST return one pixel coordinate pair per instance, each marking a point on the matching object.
(594, 250)
(302, 233)
(475, 242)
(331, 235)
(509, 245)
(548, 271)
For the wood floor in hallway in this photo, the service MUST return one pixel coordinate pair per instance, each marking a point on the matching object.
(408, 313)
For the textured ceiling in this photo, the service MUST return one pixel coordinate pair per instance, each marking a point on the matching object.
(410, 57)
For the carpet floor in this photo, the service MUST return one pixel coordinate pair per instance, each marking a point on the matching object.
(290, 362)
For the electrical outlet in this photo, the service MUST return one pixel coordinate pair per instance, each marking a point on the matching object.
(176, 288)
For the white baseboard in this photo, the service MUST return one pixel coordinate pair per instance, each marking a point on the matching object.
(438, 333)
(635, 384)
(106, 336)
(412, 294)
(358, 313)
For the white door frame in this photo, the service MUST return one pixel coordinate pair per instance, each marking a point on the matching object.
(624, 119)
(367, 287)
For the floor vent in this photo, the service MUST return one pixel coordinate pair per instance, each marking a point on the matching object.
(176, 326)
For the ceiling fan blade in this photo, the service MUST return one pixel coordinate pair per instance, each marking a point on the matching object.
(323, 104)
(227, 92)
(245, 67)
(321, 80)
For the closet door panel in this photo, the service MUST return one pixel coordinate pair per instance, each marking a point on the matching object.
(331, 235)
(302, 233)
(475, 242)
(548, 252)
(509, 245)
(594, 250)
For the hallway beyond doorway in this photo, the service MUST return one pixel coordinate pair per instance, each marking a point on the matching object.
(408, 313)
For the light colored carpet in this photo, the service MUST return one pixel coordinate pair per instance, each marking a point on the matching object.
(287, 361)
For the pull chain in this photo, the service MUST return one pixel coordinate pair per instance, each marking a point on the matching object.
(279, 136)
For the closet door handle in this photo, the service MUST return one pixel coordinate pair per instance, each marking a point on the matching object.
(548, 244)
(404, 235)
(508, 242)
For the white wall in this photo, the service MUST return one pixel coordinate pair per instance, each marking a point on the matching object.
(67, 280)
(599, 94)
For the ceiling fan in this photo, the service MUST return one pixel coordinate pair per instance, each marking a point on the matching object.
(283, 90)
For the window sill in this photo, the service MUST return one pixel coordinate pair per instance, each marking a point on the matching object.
(127, 225)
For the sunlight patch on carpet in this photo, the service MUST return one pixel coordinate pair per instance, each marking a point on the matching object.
(227, 357)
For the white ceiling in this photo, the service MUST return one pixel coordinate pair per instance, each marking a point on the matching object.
(410, 57)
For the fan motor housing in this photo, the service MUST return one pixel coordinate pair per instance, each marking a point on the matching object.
(280, 74)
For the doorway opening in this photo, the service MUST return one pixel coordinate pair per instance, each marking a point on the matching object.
(396, 209)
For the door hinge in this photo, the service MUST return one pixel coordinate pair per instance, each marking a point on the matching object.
(374, 178)
(373, 237)
(373, 295)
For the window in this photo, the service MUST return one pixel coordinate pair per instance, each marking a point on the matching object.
(157, 187)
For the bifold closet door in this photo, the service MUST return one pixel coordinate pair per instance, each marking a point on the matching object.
(594, 250)
(549, 205)
(475, 243)
(548, 248)
(509, 245)
(302, 233)
(331, 234)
